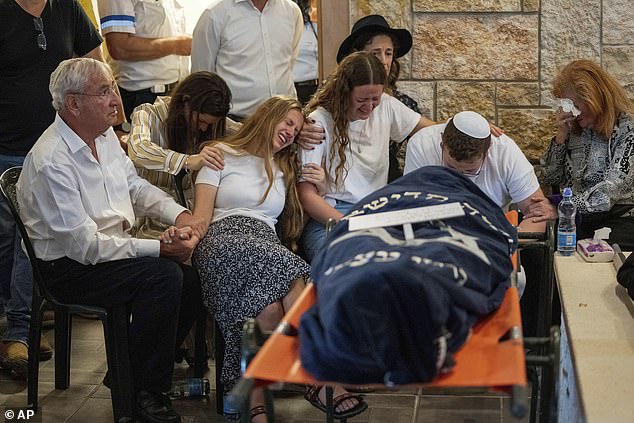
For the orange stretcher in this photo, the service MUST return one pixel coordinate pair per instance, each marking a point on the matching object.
(492, 357)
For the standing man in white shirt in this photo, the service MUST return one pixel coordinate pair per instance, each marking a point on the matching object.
(252, 45)
(147, 47)
(78, 195)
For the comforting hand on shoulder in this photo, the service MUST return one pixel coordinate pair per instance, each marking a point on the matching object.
(209, 156)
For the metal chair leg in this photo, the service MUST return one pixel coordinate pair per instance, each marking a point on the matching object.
(63, 328)
(35, 334)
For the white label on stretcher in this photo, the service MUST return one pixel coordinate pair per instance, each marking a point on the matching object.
(400, 217)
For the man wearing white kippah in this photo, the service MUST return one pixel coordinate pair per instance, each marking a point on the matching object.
(495, 164)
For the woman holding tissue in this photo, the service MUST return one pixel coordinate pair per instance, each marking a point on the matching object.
(592, 151)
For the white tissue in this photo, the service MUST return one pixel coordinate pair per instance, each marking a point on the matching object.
(568, 106)
(603, 233)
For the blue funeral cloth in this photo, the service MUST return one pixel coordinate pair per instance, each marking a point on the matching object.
(393, 311)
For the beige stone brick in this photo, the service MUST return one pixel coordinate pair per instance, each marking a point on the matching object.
(618, 22)
(570, 29)
(454, 97)
(397, 12)
(619, 61)
(486, 47)
(517, 94)
(531, 129)
(466, 5)
(530, 5)
(422, 92)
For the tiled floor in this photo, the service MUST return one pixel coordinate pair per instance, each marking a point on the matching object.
(87, 400)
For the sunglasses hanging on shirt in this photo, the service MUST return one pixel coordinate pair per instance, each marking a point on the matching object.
(41, 37)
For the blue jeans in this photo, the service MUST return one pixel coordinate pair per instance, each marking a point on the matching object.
(314, 233)
(16, 277)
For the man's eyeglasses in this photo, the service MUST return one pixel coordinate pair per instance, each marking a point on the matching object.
(468, 173)
(108, 91)
(41, 38)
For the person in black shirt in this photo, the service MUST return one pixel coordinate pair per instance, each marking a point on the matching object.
(36, 36)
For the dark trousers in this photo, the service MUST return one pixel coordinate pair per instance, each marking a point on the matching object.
(305, 90)
(151, 288)
(132, 99)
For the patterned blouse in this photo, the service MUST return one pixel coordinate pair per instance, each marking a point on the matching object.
(407, 100)
(599, 171)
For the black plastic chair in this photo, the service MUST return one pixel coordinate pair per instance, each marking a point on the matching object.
(219, 342)
(115, 325)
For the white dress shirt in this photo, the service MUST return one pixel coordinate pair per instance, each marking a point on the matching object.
(77, 207)
(253, 51)
(307, 65)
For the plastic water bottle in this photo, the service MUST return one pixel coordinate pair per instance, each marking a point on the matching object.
(567, 229)
(190, 387)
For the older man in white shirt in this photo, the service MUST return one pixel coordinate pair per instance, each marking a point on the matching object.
(252, 45)
(78, 195)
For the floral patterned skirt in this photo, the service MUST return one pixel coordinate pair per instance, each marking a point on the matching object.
(243, 268)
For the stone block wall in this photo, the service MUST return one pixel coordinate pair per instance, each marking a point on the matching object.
(498, 57)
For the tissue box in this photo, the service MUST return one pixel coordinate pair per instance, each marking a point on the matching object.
(595, 251)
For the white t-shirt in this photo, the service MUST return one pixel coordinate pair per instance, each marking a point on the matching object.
(506, 175)
(241, 185)
(367, 156)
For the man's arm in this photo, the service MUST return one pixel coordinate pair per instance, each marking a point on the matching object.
(536, 210)
(55, 194)
(424, 122)
(95, 54)
(126, 46)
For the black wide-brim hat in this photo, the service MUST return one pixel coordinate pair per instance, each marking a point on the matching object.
(375, 24)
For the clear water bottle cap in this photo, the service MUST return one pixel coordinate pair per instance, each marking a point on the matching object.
(567, 192)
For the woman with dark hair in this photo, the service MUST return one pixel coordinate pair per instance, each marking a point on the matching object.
(166, 136)
(593, 150)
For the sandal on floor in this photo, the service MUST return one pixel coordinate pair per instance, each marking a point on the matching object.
(256, 411)
(312, 396)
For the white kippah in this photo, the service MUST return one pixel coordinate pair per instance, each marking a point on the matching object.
(472, 124)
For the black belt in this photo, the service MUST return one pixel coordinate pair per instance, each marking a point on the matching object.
(310, 82)
(156, 89)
